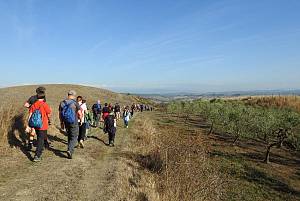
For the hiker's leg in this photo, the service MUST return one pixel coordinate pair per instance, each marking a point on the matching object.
(109, 137)
(31, 134)
(98, 119)
(69, 132)
(113, 134)
(40, 142)
(95, 118)
(80, 134)
(83, 132)
(46, 142)
(74, 131)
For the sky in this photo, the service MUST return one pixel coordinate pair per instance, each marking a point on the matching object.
(152, 46)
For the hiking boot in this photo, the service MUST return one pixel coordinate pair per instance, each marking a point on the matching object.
(69, 155)
(37, 159)
(111, 144)
(81, 144)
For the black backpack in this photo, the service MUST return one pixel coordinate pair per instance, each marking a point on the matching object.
(96, 108)
(109, 124)
(117, 108)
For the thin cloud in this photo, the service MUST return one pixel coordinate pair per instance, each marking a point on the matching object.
(98, 45)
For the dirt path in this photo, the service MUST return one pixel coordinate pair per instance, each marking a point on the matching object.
(90, 175)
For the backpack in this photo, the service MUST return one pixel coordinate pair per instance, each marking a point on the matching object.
(109, 124)
(36, 120)
(68, 114)
(117, 108)
(96, 108)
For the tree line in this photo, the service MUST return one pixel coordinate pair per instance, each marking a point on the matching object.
(270, 125)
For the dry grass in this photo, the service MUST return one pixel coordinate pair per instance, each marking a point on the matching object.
(292, 102)
(134, 181)
(6, 115)
(178, 161)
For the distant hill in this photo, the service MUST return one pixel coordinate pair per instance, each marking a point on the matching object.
(57, 92)
(192, 96)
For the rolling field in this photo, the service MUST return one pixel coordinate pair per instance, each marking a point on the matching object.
(167, 155)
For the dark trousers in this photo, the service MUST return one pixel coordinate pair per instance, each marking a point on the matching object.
(111, 135)
(82, 132)
(126, 122)
(41, 136)
(97, 118)
(73, 132)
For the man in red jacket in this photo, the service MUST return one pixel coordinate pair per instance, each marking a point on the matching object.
(41, 133)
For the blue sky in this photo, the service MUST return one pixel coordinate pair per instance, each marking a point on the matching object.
(152, 46)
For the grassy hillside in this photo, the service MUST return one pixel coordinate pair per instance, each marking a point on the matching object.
(292, 102)
(13, 114)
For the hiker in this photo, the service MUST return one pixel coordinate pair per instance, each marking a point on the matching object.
(96, 108)
(142, 107)
(69, 114)
(117, 111)
(82, 122)
(132, 109)
(110, 128)
(31, 131)
(111, 107)
(126, 116)
(138, 108)
(105, 111)
(39, 114)
(88, 119)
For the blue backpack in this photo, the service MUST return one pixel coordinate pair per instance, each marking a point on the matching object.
(68, 114)
(36, 120)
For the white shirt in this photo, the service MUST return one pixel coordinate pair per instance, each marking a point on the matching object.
(83, 108)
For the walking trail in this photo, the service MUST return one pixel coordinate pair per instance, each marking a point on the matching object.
(90, 175)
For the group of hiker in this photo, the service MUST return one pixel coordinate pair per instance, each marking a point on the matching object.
(75, 118)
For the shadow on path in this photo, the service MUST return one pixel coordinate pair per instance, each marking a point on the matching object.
(17, 127)
(257, 176)
(96, 138)
(57, 139)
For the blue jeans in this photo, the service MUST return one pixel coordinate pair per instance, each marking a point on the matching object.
(126, 122)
